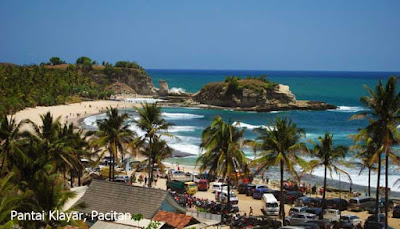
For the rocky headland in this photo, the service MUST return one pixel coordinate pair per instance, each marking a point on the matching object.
(253, 94)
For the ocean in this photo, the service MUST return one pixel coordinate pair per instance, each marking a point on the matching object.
(342, 89)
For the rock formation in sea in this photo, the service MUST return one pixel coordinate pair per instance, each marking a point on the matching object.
(254, 94)
(163, 90)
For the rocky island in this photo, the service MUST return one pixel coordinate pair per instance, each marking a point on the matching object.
(253, 94)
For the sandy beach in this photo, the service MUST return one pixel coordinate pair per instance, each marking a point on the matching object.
(71, 112)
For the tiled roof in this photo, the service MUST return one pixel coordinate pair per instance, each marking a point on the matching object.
(105, 196)
(173, 219)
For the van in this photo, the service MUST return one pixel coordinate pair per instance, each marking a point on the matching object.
(217, 186)
(360, 203)
(190, 188)
(271, 206)
(202, 185)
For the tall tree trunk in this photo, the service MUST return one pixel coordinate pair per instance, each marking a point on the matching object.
(79, 177)
(110, 162)
(150, 164)
(228, 207)
(386, 182)
(369, 181)
(72, 178)
(282, 201)
(377, 187)
(323, 196)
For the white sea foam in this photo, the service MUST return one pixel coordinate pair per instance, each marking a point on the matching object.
(249, 126)
(186, 148)
(91, 120)
(142, 100)
(176, 91)
(349, 109)
(180, 116)
(174, 129)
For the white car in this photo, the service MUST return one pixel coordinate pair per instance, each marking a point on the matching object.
(223, 197)
(301, 217)
(350, 221)
(332, 214)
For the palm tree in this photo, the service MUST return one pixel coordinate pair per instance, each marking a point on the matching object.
(154, 126)
(330, 157)
(55, 147)
(162, 150)
(384, 113)
(278, 147)
(113, 134)
(366, 151)
(9, 200)
(9, 135)
(222, 143)
(76, 140)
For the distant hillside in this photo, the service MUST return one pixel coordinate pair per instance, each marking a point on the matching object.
(46, 85)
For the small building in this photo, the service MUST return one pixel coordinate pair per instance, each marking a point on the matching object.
(104, 197)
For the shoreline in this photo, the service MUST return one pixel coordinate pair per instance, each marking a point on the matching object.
(91, 108)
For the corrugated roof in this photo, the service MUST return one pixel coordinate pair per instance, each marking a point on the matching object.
(143, 223)
(173, 219)
(105, 196)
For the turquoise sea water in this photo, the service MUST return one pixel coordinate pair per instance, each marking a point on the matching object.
(343, 89)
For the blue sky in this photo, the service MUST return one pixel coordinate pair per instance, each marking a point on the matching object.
(356, 35)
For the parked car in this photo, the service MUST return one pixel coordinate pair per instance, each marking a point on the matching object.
(373, 222)
(202, 185)
(301, 217)
(332, 214)
(381, 206)
(337, 203)
(322, 223)
(294, 210)
(292, 196)
(396, 211)
(271, 206)
(316, 202)
(349, 221)
(222, 196)
(291, 227)
(316, 211)
(309, 225)
(121, 178)
(250, 189)
(257, 194)
(242, 188)
(303, 201)
(360, 203)
(262, 188)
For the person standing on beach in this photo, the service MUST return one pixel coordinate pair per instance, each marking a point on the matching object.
(251, 211)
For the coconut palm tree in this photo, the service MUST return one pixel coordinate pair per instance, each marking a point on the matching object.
(9, 135)
(279, 146)
(151, 122)
(9, 200)
(366, 151)
(162, 151)
(330, 157)
(384, 113)
(113, 134)
(76, 140)
(223, 156)
(55, 147)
